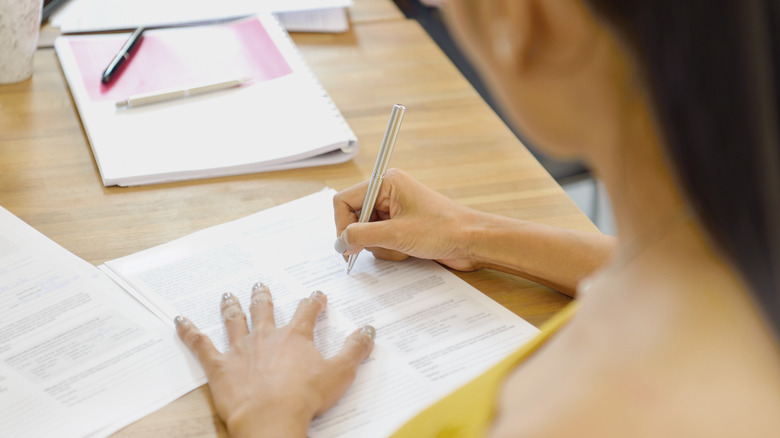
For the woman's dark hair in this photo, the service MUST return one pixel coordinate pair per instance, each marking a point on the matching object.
(711, 66)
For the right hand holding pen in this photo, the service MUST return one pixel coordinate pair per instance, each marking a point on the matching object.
(409, 219)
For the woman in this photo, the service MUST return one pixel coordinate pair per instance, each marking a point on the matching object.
(674, 104)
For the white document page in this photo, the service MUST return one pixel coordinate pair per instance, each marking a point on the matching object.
(434, 331)
(78, 355)
(99, 15)
(332, 20)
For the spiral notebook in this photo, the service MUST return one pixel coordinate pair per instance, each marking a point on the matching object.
(280, 118)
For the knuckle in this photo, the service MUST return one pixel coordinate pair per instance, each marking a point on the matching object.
(218, 368)
(233, 314)
(230, 303)
(395, 173)
(362, 341)
(261, 299)
(261, 296)
(301, 325)
(194, 339)
(229, 306)
(312, 307)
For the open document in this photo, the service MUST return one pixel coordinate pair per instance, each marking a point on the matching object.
(434, 332)
(78, 355)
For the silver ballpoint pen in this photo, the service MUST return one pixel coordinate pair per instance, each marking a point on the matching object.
(382, 159)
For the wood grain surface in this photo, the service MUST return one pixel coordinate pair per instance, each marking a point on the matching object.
(450, 140)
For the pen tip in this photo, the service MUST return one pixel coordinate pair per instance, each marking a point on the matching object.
(351, 262)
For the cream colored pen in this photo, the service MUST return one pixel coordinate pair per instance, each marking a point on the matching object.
(382, 159)
(177, 93)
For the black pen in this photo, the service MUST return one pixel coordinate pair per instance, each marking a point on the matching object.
(122, 56)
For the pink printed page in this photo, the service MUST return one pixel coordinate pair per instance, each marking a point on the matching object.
(174, 58)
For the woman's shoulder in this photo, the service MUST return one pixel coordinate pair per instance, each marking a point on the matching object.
(703, 367)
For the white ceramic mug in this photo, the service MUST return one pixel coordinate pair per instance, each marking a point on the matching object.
(20, 23)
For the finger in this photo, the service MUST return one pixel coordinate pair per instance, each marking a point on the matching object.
(345, 364)
(388, 254)
(383, 234)
(356, 348)
(197, 342)
(306, 315)
(347, 204)
(262, 310)
(234, 317)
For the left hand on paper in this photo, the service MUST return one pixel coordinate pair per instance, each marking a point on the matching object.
(273, 381)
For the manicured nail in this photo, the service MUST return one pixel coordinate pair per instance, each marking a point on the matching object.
(260, 294)
(318, 296)
(369, 331)
(227, 296)
(178, 321)
(340, 245)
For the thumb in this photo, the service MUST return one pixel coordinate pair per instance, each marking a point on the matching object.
(366, 235)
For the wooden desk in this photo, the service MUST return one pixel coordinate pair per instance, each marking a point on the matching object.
(450, 140)
(365, 11)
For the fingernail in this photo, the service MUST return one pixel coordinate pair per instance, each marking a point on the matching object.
(260, 294)
(369, 331)
(340, 245)
(318, 296)
(227, 296)
(178, 321)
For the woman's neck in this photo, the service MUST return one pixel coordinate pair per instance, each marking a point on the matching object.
(662, 247)
(646, 200)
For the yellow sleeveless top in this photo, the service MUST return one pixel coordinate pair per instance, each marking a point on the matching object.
(469, 411)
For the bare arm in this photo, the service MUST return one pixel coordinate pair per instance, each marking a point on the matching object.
(413, 220)
(552, 256)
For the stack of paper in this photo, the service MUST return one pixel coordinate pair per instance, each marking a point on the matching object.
(78, 355)
(282, 118)
(101, 15)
